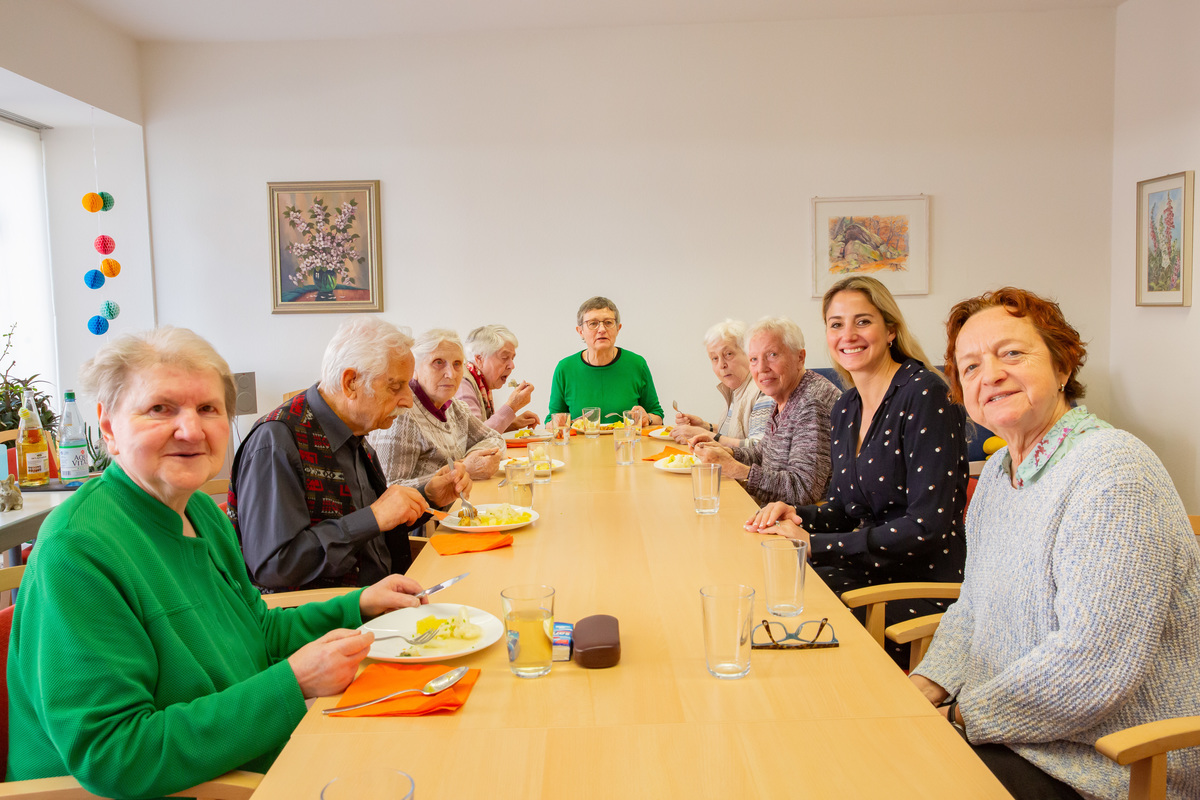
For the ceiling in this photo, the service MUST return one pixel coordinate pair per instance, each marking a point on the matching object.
(306, 20)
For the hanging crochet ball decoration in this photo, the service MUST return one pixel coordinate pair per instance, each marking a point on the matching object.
(98, 325)
(93, 202)
(109, 309)
(110, 267)
(108, 201)
(94, 279)
(105, 244)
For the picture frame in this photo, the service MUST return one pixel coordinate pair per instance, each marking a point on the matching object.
(342, 270)
(1164, 240)
(884, 237)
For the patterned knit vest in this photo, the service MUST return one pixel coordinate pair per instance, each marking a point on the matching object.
(325, 489)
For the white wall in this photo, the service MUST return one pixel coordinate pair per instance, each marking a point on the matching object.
(1155, 372)
(670, 168)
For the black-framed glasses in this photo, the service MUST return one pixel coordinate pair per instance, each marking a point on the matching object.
(593, 324)
(810, 635)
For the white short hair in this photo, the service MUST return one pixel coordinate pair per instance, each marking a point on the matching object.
(787, 331)
(489, 340)
(431, 339)
(107, 375)
(366, 345)
(731, 331)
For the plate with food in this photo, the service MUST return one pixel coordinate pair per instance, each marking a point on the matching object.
(679, 463)
(661, 433)
(493, 517)
(604, 427)
(462, 630)
(528, 435)
(555, 464)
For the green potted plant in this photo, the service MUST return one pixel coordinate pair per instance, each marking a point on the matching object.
(12, 391)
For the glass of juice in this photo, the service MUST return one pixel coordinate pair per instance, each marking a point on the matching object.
(528, 628)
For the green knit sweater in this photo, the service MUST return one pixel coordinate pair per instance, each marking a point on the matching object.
(142, 661)
(618, 386)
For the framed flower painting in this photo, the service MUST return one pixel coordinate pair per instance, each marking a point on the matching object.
(325, 251)
(1164, 241)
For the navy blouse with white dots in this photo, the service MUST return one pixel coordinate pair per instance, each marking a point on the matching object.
(895, 511)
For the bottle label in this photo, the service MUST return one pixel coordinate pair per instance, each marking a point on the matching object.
(37, 463)
(74, 461)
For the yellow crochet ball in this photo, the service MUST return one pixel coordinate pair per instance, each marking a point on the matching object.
(93, 202)
(992, 444)
(110, 267)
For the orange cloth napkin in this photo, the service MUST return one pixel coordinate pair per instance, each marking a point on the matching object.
(511, 443)
(449, 544)
(668, 451)
(378, 680)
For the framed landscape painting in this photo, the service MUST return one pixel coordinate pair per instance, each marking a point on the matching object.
(884, 237)
(325, 252)
(1164, 241)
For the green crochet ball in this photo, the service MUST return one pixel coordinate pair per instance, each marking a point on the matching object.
(108, 201)
(109, 309)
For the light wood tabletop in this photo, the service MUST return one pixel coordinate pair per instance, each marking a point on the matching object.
(18, 527)
(842, 722)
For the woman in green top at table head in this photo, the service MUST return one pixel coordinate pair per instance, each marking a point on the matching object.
(603, 375)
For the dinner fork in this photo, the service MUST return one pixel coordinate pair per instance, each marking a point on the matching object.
(422, 638)
(468, 511)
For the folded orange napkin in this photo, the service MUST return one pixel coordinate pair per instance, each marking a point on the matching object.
(378, 680)
(449, 544)
(511, 443)
(668, 451)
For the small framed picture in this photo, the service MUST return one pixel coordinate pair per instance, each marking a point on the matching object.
(325, 251)
(884, 237)
(1164, 240)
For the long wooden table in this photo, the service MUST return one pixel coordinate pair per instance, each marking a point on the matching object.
(18, 527)
(837, 723)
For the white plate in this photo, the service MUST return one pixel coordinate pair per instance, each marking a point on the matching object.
(538, 436)
(662, 464)
(658, 433)
(555, 464)
(451, 521)
(404, 622)
(603, 430)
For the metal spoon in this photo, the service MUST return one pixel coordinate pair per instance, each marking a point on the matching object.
(438, 684)
(675, 406)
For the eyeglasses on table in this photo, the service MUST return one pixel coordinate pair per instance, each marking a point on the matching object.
(810, 635)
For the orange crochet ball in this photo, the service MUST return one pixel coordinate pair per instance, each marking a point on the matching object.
(93, 202)
(110, 267)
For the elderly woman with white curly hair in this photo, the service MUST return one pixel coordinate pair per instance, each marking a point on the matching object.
(438, 429)
(747, 409)
(791, 461)
(490, 353)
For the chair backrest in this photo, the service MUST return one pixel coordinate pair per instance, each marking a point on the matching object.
(290, 395)
(6, 621)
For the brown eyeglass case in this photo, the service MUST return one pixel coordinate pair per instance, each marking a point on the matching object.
(597, 642)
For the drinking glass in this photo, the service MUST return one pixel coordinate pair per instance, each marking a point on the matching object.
(539, 457)
(561, 425)
(591, 422)
(528, 629)
(519, 474)
(783, 565)
(624, 440)
(706, 488)
(631, 420)
(384, 784)
(727, 612)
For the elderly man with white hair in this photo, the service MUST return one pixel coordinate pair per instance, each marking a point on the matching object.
(307, 495)
(439, 428)
(490, 353)
(791, 461)
(747, 409)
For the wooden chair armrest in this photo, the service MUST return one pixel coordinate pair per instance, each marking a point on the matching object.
(10, 578)
(293, 599)
(66, 788)
(886, 592)
(913, 629)
(1153, 738)
(236, 785)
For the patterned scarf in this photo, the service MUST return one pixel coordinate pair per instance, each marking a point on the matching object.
(1058, 441)
(488, 408)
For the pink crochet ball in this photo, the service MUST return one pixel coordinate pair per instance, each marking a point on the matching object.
(93, 202)
(105, 244)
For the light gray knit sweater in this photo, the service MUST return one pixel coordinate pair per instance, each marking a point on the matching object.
(1079, 614)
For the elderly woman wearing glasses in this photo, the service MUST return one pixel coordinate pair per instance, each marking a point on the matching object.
(1080, 607)
(603, 375)
(747, 409)
(490, 353)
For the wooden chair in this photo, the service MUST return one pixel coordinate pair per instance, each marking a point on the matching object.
(290, 395)
(876, 598)
(1195, 520)
(293, 599)
(235, 785)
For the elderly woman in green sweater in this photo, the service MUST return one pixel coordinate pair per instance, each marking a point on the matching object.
(139, 648)
(603, 375)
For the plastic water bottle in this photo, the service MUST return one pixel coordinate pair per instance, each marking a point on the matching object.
(73, 451)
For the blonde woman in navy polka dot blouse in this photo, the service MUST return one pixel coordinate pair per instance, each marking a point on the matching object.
(898, 448)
